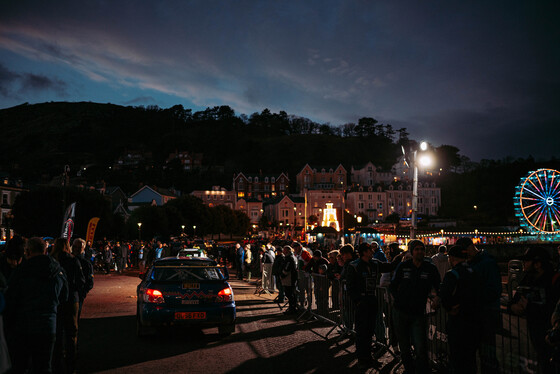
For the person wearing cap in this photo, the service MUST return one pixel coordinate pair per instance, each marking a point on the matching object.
(461, 299)
(487, 268)
(536, 298)
(361, 282)
(414, 280)
(316, 261)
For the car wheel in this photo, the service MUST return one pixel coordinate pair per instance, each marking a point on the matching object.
(225, 330)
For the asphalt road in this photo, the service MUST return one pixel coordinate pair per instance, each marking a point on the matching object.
(265, 340)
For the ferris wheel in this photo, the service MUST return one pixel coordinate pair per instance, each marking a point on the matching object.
(537, 201)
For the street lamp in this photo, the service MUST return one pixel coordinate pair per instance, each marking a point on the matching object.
(424, 160)
(359, 219)
(194, 230)
(182, 230)
(140, 231)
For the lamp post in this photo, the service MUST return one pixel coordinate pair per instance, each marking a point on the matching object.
(194, 231)
(424, 160)
(140, 231)
(182, 230)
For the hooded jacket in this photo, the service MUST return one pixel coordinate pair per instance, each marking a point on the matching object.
(34, 291)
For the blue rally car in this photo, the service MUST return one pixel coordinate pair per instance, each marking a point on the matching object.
(185, 291)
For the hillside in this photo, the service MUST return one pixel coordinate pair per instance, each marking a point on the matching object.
(40, 139)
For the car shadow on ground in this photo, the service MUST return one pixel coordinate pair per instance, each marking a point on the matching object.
(108, 343)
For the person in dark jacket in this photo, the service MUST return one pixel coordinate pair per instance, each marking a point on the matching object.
(121, 251)
(317, 260)
(289, 278)
(67, 318)
(10, 260)
(78, 246)
(12, 257)
(460, 297)
(239, 260)
(361, 282)
(107, 258)
(487, 268)
(414, 280)
(277, 267)
(34, 293)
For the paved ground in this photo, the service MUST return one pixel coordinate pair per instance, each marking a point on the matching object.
(265, 340)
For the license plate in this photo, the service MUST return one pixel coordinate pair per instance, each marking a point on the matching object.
(195, 286)
(190, 315)
(190, 302)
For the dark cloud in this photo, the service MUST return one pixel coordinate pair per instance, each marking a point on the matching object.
(28, 82)
(7, 78)
(34, 82)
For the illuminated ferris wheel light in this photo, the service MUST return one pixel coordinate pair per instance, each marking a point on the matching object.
(536, 201)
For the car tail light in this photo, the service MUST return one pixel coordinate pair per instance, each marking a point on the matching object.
(226, 294)
(153, 296)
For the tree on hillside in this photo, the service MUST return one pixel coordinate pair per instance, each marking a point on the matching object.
(448, 157)
(366, 127)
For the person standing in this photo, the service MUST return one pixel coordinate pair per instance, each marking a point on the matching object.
(289, 278)
(267, 262)
(536, 298)
(66, 346)
(441, 260)
(78, 246)
(107, 258)
(303, 256)
(487, 268)
(34, 293)
(239, 260)
(414, 280)
(12, 257)
(277, 268)
(248, 261)
(460, 297)
(361, 283)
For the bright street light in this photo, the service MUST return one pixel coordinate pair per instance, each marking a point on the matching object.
(425, 161)
(423, 146)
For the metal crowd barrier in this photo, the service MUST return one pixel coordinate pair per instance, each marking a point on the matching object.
(328, 300)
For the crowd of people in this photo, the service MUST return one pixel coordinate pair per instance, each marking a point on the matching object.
(463, 280)
(43, 286)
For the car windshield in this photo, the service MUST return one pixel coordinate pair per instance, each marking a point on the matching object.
(190, 273)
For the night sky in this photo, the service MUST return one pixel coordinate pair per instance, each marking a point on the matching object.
(480, 75)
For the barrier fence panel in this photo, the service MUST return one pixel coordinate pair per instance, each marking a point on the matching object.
(267, 279)
(329, 300)
(322, 305)
(304, 289)
(513, 347)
